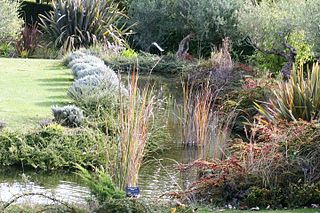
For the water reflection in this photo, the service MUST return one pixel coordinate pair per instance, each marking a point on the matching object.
(16, 183)
(159, 177)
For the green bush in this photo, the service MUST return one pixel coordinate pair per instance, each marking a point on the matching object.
(100, 184)
(10, 24)
(146, 63)
(52, 148)
(75, 24)
(168, 21)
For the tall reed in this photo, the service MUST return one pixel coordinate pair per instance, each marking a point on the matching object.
(135, 114)
(203, 124)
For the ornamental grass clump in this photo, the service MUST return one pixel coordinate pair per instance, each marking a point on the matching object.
(202, 123)
(136, 112)
(299, 98)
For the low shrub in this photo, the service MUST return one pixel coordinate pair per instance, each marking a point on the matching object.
(278, 167)
(95, 91)
(100, 184)
(147, 63)
(244, 98)
(78, 54)
(123, 206)
(87, 58)
(53, 148)
(70, 115)
(94, 70)
(7, 49)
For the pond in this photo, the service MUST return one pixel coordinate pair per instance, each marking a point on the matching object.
(158, 176)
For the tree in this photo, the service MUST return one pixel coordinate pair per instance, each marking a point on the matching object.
(274, 27)
(167, 22)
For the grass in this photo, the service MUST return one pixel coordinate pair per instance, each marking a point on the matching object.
(29, 87)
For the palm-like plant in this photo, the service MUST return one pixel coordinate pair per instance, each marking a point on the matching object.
(297, 99)
(80, 23)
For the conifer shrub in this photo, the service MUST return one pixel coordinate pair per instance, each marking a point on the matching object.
(53, 148)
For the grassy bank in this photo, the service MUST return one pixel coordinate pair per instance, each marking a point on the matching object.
(29, 87)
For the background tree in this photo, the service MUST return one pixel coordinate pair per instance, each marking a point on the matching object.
(275, 28)
(167, 22)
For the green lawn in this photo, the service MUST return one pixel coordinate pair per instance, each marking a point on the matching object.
(28, 89)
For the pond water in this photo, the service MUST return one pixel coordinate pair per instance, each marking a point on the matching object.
(158, 176)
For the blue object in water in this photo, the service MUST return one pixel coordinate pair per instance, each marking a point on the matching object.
(132, 191)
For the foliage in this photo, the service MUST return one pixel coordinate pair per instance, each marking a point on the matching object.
(52, 148)
(10, 24)
(274, 27)
(30, 11)
(166, 22)
(97, 86)
(267, 63)
(69, 115)
(297, 99)
(277, 167)
(268, 22)
(29, 41)
(129, 53)
(135, 114)
(244, 98)
(202, 122)
(308, 21)
(147, 63)
(7, 49)
(100, 184)
(75, 24)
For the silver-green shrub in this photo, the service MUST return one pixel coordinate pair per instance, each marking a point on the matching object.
(86, 59)
(94, 70)
(78, 67)
(69, 115)
(81, 53)
(10, 24)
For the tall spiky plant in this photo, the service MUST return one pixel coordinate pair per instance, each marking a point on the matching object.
(76, 23)
(135, 115)
(297, 99)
